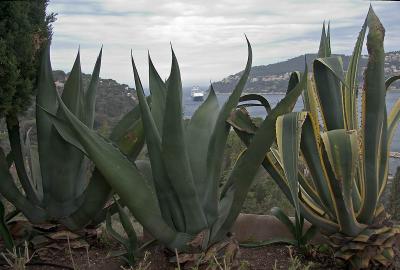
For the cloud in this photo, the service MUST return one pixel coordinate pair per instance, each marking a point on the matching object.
(207, 36)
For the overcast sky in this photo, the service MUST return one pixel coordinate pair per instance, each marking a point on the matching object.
(207, 36)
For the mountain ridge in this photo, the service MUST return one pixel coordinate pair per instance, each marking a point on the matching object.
(274, 77)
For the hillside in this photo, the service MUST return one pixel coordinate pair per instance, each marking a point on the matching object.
(274, 77)
(113, 100)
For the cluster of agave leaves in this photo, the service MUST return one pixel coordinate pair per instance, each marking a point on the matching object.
(56, 186)
(347, 160)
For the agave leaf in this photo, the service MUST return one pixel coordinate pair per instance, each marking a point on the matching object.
(158, 90)
(387, 137)
(373, 115)
(309, 234)
(67, 134)
(328, 74)
(311, 102)
(175, 156)
(293, 81)
(340, 158)
(117, 253)
(271, 165)
(310, 148)
(383, 165)
(252, 97)
(128, 228)
(114, 234)
(279, 214)
(288, 134)
(73, 93)
(324, 45)
(90, 93)
(350, 93)
(198, 134)
(391, 80)
(9, 158)
(322, 222)
(34, 166)
(217, 144)
(19, 159)
(168, 199)
(95, 196)
(240, 120)
(11, 192)
(144, 166)
(46, 97)
(128, 134)
(269, 242)
(328, 39)
(394, 115)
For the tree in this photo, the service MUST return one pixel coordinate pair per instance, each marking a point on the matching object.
(24, 30)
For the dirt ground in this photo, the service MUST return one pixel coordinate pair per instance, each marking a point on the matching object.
(270, 257)
(96, 257)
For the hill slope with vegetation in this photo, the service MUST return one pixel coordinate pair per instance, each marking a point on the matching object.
(113, 99)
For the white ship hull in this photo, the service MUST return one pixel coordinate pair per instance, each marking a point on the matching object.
(197, 94)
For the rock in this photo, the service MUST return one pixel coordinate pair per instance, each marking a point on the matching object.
(256, 228)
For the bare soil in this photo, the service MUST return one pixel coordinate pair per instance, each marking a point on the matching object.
(97, 258)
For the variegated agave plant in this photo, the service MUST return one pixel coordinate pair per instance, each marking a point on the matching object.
(176, 195)
(55, 176)
(347, 159)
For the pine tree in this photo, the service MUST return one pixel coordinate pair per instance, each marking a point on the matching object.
(24, 31)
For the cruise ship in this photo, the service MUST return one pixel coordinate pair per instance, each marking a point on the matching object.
(197, 94)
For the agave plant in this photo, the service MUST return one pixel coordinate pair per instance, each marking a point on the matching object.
(176, 196)
(347, 159)
(55, 177)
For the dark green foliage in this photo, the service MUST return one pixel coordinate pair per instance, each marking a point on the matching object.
(263, 195)
(24, 29)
